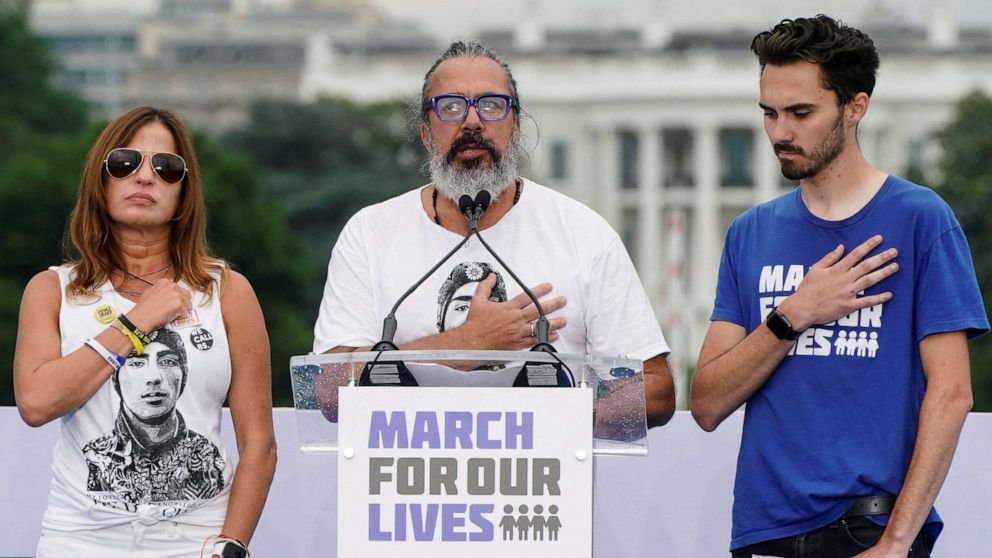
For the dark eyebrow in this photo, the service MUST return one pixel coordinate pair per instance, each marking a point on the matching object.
(790, 108)
(171, 352)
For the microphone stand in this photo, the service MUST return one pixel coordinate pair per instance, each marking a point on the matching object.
(532, 374)
(396, 372)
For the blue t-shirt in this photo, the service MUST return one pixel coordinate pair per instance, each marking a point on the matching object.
(838, 418)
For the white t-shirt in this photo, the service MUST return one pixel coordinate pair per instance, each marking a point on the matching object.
(545, 237)
(103, 475)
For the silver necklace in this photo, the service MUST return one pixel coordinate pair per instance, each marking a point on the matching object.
(128, 276)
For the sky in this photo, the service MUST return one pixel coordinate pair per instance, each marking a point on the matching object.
(971, 12)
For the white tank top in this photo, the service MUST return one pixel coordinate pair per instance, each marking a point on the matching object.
(107, 471)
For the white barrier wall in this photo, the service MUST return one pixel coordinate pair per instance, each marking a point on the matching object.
(673, 504)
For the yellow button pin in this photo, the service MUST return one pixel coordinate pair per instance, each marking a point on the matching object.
(105, 313)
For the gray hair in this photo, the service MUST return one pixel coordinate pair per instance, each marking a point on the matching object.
(454, 50)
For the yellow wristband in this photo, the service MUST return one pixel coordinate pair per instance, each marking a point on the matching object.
(135, 342)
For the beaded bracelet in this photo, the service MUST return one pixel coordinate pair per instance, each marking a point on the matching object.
(230, 547)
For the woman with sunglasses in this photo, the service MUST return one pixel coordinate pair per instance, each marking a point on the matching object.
(135, 345)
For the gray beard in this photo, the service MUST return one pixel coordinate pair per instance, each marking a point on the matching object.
(453, 182)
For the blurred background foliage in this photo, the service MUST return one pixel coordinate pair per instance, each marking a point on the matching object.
(966, 183)
(279, 190)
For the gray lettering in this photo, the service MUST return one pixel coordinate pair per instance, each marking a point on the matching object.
(507, 475)
(546, 474)
(410, 476)
(376, 475)
(444, 471)
(481, 476)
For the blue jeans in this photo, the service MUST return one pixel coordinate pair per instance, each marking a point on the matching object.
(843, 538)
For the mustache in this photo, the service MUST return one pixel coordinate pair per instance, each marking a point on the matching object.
(785, 147)
(471, 138)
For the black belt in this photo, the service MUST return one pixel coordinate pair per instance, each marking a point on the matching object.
(871, 505)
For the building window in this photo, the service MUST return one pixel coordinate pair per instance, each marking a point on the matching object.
(736, 156)
(628, 159)
(677, 157)
(559, 160)
(628, 232)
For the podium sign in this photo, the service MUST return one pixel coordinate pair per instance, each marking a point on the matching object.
(445, 472)
(617, 386)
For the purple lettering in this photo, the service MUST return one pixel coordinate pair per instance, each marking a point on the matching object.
(375, 531)
(477, 515)
(425, 431)
(452, 518)
(524, 430)
(424, 525)
(482, 423)
(389, 433)
(458, 426)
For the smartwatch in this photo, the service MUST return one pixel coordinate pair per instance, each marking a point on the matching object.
(229, 549)
(781, 326)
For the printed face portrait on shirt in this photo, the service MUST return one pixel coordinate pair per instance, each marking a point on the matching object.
(150, 384)
(455, 296)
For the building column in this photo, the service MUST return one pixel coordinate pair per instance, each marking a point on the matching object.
(649, 216)
(706, 243)
(608, 175)
(768, 171)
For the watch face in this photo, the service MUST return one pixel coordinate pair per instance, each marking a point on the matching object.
(781, 327)
(233, 551)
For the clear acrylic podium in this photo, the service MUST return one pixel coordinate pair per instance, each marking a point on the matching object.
(619, 419)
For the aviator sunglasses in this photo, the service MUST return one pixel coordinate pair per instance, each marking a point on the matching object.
(123, 162)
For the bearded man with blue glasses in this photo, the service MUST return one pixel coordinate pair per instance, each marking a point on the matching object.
(468, 116)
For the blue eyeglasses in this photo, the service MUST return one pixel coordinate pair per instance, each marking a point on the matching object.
(452, 107)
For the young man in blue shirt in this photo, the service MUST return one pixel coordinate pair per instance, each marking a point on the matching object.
(842, 315)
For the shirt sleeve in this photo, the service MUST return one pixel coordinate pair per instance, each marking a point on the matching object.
(620, 321)
(727, 306)
(346, 316)
(947, 297)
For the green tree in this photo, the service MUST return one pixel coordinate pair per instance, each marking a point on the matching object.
(966, 184)
(31, 109)
(44, 139)
(326, 160)
(250, 233)
(41, 150)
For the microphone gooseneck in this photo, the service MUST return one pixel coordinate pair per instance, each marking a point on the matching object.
(532, 374)
(465, 203)
(473, 210)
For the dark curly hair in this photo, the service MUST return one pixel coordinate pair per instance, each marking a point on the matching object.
(847, 57)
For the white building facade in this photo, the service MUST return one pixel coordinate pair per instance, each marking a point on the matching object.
(648, 115)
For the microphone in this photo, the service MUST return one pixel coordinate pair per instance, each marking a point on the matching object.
(395, 372)
(473, 209)
(532, 373)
